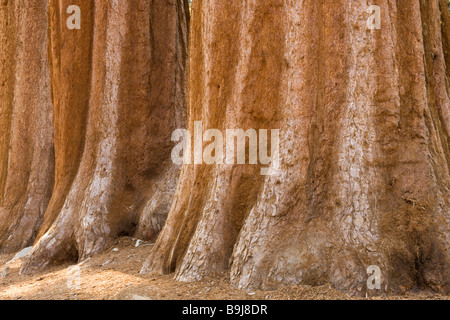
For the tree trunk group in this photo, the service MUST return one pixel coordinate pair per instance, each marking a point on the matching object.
(87, 116)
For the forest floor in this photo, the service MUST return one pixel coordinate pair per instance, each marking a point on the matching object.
(115, 275)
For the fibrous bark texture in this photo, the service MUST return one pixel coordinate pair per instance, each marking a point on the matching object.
(26, 130)
(364, 146)
(118, 89)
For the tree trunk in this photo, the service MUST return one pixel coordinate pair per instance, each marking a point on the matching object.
(118, 93)
(364, 147)
(26, 149)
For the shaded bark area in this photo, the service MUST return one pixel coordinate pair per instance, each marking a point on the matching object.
(26, 134)
(365, 160)
(119, 92)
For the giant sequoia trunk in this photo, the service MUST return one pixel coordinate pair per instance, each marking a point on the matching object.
(364, 146)
(118, 89)
(26, 131)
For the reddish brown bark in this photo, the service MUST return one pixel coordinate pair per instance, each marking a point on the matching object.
(87, 117)
(26, 149)
(116, 91)
(364, 147)
(128, 98)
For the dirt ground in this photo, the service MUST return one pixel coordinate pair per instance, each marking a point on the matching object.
(115, 275)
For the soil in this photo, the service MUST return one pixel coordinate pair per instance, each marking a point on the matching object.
(114, 275)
